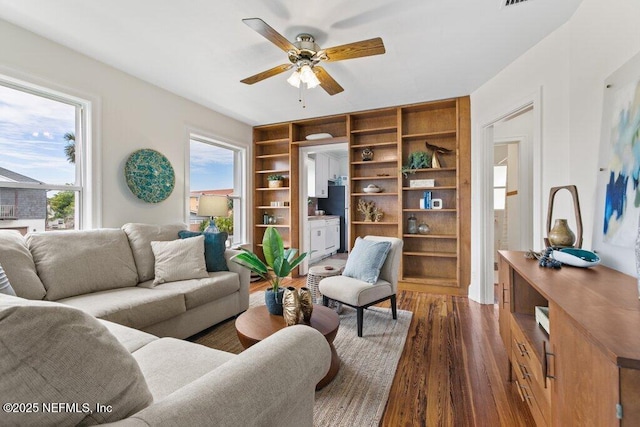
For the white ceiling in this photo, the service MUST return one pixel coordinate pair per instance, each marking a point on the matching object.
(200, 49)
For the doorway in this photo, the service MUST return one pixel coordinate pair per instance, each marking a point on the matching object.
(513, 138)
(329, 164)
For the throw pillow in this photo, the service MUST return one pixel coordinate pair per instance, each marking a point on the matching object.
(5, 286)
(366, 260)
(179, 260)
(214, 247)
(53, 354)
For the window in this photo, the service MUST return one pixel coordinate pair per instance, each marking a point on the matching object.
(217, 168)
(499, 187)
(42, 159)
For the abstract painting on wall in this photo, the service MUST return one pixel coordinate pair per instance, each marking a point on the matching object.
(622, 198)
(617, 204)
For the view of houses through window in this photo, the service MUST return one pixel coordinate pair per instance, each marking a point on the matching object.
(216, 169)
(40, 183)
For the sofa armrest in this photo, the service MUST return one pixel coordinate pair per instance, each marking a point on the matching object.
(270, 384)
(245, 277)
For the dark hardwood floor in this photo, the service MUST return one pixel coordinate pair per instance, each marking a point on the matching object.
(453, 370)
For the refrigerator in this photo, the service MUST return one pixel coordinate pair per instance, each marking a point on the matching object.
(337, 203)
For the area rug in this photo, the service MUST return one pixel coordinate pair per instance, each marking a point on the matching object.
(358, 395)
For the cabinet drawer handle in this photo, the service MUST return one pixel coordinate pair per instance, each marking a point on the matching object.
(522, 348)
(504, 300)
(522, 392)
(524, 371)
(545, 362)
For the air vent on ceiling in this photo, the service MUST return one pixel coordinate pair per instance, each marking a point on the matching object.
(506, 3)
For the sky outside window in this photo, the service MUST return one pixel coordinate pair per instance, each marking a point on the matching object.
(211, 167)
(32, 132)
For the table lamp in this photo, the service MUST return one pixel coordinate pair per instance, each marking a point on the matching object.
(212, 206)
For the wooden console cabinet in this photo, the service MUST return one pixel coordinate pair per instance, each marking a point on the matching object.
(586, 371)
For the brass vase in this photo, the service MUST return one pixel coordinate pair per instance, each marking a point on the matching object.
(306, 304)
(290, 306)
(561, 234)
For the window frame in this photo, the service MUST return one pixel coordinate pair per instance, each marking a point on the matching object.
(239, 195)
(88, 205)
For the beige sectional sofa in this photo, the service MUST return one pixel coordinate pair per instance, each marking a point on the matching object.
(84, 327)
(109, 274)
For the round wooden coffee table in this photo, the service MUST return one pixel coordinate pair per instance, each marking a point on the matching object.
(256, 324)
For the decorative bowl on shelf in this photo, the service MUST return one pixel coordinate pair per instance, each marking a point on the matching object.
(372, 188)
(319, 213)
(315, 136)
(576, 257)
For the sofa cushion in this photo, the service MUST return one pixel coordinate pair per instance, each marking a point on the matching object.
(131, 339)
(140, 237)
(353, 291)
(214, 247)
(18, 265)
(201, 291)
(133, 307)
(179, 260)
(56, 354)
(73, 263)
(169, 364)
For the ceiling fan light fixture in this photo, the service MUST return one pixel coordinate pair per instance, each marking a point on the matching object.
(294, 79)
(308, 76)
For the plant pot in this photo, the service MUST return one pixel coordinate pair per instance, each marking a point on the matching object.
(276, 184)
(273, 301)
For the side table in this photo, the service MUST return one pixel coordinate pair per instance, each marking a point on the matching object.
(314, 276)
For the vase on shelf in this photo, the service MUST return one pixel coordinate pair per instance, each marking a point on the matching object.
(412, 224)
(561, 235)
(367, 154)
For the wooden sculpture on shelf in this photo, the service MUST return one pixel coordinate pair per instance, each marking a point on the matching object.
(435, 151)
(370, 211)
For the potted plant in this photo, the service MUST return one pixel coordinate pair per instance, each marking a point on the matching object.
(275, 180)
(279, 264)
(416, 160)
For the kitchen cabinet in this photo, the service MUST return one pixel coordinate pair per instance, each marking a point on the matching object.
(319, 176)
(324, 238)
(332, 236)
(334, 168)
(318, 236)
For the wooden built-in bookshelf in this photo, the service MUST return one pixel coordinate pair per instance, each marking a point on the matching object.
(437, 261)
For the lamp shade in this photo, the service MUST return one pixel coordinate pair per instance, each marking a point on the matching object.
(209, 205)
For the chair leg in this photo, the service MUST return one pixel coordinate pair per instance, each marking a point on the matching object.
(325, 301)
(360, 315)
(394, 311)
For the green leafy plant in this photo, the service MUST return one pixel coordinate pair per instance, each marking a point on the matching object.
(224, 224)
(416, 160)
(275, 177)
(279, 262)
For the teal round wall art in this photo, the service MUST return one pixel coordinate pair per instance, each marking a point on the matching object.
(149, 175)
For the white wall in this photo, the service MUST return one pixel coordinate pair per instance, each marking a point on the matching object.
(131, 114)
(568, 67)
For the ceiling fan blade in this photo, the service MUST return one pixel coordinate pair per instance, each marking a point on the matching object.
(326, 81)
(270, 34)
(355, 50)
(266, 74)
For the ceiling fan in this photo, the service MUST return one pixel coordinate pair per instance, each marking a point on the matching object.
(305, 55)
